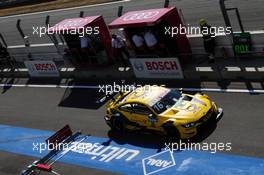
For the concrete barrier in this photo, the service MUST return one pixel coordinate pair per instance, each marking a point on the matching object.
(198, 73)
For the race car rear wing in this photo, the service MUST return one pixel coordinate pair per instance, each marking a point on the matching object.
(59, 139)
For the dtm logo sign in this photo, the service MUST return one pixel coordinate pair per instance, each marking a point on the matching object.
(158, 162)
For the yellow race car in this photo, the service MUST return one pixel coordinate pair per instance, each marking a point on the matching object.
(155, 108)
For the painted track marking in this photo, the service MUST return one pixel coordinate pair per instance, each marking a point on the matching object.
(260, 91)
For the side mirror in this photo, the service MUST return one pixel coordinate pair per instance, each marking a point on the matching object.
(152, 116)
(181, 90)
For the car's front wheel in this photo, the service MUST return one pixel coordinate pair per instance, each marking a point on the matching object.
(171, 131)
(117, 124)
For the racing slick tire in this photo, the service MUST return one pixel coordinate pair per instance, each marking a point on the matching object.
(117, 124)
(171, 132)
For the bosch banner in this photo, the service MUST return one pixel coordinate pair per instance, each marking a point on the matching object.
(42, 68)
(167, 68)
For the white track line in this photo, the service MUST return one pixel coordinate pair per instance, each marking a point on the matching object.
(97, 87)
(50, 86)
(32, 45)
(65, 9)
(222, 90)
(254, 32)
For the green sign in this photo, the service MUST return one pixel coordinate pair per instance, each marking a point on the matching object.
(242, 43)
(241, 48)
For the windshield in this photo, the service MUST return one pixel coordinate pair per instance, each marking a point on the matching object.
(167, 101)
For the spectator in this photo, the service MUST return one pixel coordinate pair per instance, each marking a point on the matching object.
(150, 39)
(86, 42)
(5, 57)
(3, 51)
(138, 41)
(87, 48)
(209, 39)
(152, 43)
(120, 48)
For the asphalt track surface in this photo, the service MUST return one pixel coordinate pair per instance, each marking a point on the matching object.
(251, 13)
(52, 108)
